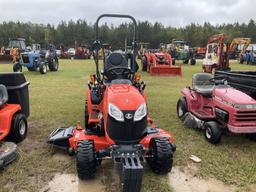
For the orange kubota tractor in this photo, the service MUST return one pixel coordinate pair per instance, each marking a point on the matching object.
(160, 63)
(216, 57)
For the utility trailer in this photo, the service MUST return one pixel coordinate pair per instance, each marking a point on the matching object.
(242, 80)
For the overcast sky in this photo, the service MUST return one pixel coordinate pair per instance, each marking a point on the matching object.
(169, 12)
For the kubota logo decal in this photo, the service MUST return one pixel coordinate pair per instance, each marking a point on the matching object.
(128, 116)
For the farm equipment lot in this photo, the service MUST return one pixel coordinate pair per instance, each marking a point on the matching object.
(57, 100)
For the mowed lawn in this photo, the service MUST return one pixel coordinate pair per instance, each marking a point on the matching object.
(57, 100)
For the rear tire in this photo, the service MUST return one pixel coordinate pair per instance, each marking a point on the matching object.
(144, 63)
(241, 60)
(173, 61)
(43, 69)
(193, 61)
(86, 162)
(212, 132)
(162, 154)
(19, 128)
(181, 108)
(17, 67)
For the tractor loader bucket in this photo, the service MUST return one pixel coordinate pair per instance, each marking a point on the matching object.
(60, 137)
(166, 70)
(8, 153)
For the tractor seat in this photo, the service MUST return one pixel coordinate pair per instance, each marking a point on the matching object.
(111, 70)
(3, 95)
(202, 85)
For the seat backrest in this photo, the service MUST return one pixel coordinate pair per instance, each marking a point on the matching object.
(201, 80)
(115, 60)
(3, 95)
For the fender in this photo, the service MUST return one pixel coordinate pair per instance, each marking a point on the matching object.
(6, 115)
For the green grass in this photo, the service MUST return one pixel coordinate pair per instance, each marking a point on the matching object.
(57, 99)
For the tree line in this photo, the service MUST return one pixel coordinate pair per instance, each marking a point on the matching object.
(82, 33)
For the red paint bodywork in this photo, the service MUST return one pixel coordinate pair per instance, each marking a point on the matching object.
(165, 67)
(125, 97)
(240, 120)
(6, 115)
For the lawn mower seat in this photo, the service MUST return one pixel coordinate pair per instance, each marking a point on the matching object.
(202, 85)
(111, 70)
(3, 95)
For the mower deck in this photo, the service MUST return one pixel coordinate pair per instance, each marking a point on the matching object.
(8, 153)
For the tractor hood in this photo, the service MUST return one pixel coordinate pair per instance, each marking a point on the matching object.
(124, 96)
(160, 54)
(233, 96)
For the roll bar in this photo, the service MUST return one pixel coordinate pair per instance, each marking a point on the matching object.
(134, 44)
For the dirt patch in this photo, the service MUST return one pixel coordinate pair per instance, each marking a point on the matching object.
(187, 181)
(106, 179)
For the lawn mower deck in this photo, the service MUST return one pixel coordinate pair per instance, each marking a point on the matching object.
(8, 153)
(117, 124)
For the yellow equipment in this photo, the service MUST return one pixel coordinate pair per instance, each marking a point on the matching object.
(244, 42)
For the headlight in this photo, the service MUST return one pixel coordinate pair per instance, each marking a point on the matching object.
(140, 113)
(114, 112)
(245, 106)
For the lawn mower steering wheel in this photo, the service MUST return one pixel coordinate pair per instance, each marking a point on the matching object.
(125, 70)
(219, 80)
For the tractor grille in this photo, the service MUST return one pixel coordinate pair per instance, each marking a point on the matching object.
(246, 116)
(161, 59)
(25, 58)
(128, 132)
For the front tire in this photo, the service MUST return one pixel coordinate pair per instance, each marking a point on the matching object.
(162, 155)
(86, 162)
(43, 69)
(17, 67)
(19, 128)
(181, 108)
(212, 132)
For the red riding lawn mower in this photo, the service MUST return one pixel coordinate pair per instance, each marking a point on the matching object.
(117, 125)
(160, 63)
(14, 110)
(216, 57)
(214, 107)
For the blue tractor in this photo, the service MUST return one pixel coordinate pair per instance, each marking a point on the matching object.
(249, 56)
(38, 59)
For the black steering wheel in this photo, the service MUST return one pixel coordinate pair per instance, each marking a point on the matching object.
(219, 80)
(125, 70)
